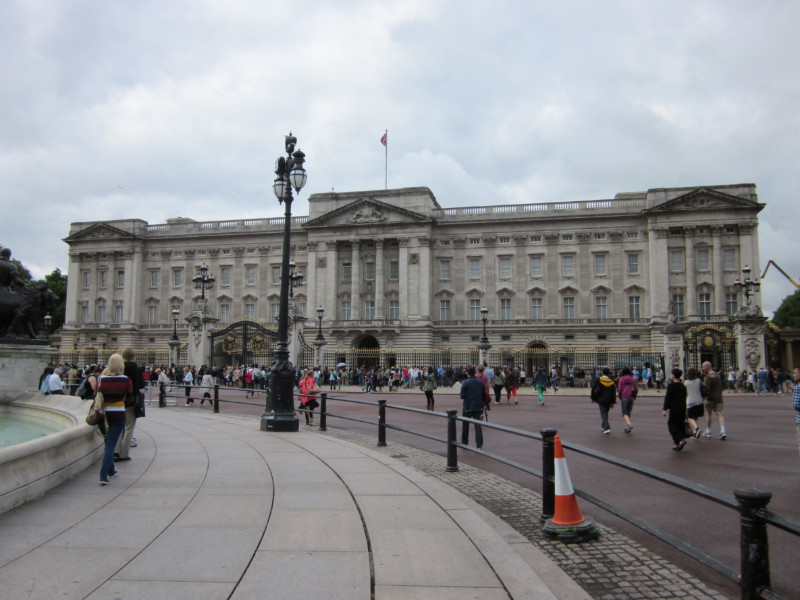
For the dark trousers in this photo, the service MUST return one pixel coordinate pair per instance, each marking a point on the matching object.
(604, 417)
(676, 425)
(472, 414)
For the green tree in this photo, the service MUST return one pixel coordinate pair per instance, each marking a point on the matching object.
(24, 273)
(788, 314)
(57, 282)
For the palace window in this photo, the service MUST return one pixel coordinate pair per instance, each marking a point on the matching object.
(394, 270)
(505, 268)
(505, 309)
(703, 260)
(346, 310)
(633, 264)
(536, 308)
(249, 311)
(225, 276)
(634, 307)
(369, 271)
(676, 261)
(729, 259)
(275, 311)
(599, 264)
(84, 313)
(536, 266)
(474, 309)
(567, 266)
(120, 279)
(678, 308)
(444, 269)
(101, 313)
(568, 306)
(731, 304)
(250, 275)
(101, 279)
(369, 310)
(177, 277)
(87, 279)
(474, 268)
(152, 315)
(224, 313)
(601, 307)
(704, 305)
(394, 309)
(276, 275)
(153, 279)
(118, 313)
(444, 310)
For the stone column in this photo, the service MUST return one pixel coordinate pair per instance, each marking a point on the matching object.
(133, 287)
(331, 267)
(403, 259)
(719, 286)
(355, 285)
(519, 271)
(311, 280)
(659, 283)
(673, 349)
(691, 274)
(379, 281)
(73, 317)
(424, 292)
(751, 352)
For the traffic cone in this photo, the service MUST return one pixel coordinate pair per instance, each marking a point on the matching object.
(567, 524)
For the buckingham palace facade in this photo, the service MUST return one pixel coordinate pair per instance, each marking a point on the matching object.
(394, 271)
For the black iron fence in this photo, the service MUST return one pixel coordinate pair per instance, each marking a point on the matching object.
(753, 577)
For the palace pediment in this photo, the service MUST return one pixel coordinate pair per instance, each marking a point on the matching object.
(100, 231)
(705, 199)
(368, 212)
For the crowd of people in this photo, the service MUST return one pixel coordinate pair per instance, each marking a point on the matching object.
(687, 400)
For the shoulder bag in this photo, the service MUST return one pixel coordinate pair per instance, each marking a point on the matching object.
(96, 413)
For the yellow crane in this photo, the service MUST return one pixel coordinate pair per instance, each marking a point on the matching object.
(773, 263)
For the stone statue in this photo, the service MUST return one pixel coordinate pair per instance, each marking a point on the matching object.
(21, 307)
(8, 272)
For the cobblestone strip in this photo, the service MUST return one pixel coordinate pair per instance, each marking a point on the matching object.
(612, 567)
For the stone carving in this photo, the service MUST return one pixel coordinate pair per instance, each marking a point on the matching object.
(213, 252)
(166, 253)
(753, 353)
(520, 240)
(189, 253)
(489, 240)
(583, 236)
(616, 236)
(263, 250)
(413, 258)
(238, 251)
(551, 238)
(745, 228)
(368, 214)
(403, 242)
(321, 262)
(675, 357)
(459, 242)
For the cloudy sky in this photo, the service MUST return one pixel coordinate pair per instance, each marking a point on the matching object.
(156, 109)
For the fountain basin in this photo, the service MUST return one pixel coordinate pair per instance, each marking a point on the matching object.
(30, 469)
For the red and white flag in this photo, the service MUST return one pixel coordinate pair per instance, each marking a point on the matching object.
(385, 138)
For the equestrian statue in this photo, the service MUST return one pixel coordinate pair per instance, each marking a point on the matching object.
(22, 307)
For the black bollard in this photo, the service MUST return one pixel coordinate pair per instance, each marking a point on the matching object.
(216, 397)
(548, 474)
(381, 422)
(452, 449)
(323, 407)
(753, 545)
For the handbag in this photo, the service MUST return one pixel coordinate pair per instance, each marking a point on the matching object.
(96, 413)
(688, 432)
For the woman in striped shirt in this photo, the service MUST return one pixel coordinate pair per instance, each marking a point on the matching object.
(117, 389)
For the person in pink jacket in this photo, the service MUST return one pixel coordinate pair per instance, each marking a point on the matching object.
(627, 389)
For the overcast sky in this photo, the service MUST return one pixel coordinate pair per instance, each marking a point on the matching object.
(157, 109)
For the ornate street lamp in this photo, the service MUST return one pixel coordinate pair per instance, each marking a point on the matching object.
(47, 321)
(175, 314)
(484, 346)
(319, 339)
(203, 281)
(484, 316)
(295, 280)
(279, 414)
(746, 285)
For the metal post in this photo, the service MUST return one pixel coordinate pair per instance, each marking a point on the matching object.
(548, 474)
(216, 397)
(323, 407)
(452, 449)
(753, 545)
(381, 422)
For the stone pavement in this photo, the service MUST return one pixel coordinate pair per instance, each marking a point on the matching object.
(211, 507)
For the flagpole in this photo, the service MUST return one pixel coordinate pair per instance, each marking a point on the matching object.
(386, 162)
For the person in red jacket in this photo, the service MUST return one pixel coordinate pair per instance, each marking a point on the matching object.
(627, 390)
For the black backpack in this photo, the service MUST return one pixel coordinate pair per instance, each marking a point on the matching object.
(85, 390)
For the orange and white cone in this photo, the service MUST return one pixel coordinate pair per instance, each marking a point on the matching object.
(567, 524)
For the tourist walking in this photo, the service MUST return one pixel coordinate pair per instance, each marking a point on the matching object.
(472, 395)
(604, 393)
(207, 383)
(675, 405)
(627, 390)
(188, 380)
(134, 373)
(116, 390)
(713, 385)
(428, 385)
(308, 402)
(540, 383)
(511, 386)
(694, 400)
(499, 384)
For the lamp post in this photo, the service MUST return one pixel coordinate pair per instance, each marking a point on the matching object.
(319, 341)
(175, 314)
(47, 321)
(484, 346)
(279, 414)
(746, 285)
(295, 280)
(203, 281)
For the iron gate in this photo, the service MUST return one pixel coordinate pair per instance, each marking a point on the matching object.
(710, 342)
(243, 343)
